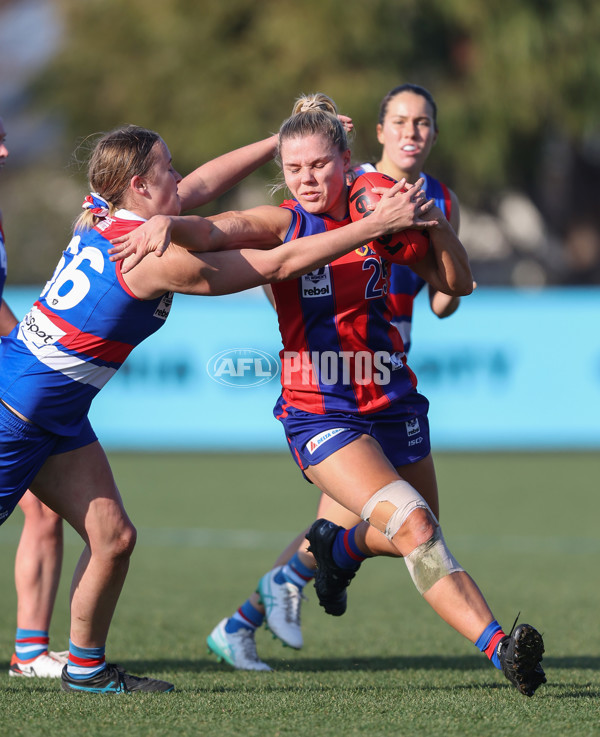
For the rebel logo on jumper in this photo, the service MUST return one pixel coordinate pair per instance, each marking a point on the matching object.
(317, 283)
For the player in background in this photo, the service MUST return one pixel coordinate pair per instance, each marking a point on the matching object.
(39, 553)
(360, 441)
(407, 130)
(80, 331)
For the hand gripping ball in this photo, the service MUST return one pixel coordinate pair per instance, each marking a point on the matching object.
(403, 247)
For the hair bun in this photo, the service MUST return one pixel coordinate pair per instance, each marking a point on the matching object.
(314, 103)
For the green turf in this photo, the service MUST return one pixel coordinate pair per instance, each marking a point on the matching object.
(524, 525)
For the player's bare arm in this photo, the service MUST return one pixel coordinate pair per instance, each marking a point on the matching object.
(227, 271)
(446, 266)
(261, 227)
(215, 177)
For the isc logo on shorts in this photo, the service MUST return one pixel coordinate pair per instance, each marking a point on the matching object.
(317, 283)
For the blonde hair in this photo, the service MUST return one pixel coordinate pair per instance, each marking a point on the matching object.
(117, 157)
(314, 114)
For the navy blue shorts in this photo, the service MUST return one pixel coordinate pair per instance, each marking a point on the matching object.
(402, 431)
(24, 448)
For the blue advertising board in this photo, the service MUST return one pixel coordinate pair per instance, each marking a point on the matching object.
(510, 369)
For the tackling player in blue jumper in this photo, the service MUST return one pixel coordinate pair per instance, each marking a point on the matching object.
(87, 320)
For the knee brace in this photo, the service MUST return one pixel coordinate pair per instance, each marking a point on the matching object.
(430, 562)
(389, 507)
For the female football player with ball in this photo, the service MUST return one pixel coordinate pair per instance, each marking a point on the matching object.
(407, 129)
(358, 441)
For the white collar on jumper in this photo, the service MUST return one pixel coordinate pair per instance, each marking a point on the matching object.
(128, 215)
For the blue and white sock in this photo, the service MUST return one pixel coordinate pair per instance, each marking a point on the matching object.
(29, 644)
(85, 662)
(246, 617)
(294, 571)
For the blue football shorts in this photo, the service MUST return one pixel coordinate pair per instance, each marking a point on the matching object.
(401, 430)
(24, 448)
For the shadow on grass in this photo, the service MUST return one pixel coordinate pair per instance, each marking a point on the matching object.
(365, 664)
(248, 682)
(168, 668)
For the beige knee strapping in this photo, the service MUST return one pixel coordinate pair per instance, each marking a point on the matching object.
(389, 507)
(430, 562)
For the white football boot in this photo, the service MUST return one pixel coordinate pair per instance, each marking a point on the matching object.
(282, 603)
(46, 665)
(236, 648)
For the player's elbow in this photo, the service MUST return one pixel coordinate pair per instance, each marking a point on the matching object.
(278, 274)
(443, 305)
(277, 271)
(459, 283)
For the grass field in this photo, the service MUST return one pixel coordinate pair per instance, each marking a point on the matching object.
(525, 526)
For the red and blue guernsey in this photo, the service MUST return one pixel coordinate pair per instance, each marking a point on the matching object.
(78, 333)
(340, 351)
(404, 283)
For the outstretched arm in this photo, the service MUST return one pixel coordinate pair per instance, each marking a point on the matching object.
(212, 179)
(198, 234)
(224, 272)
(259, 227)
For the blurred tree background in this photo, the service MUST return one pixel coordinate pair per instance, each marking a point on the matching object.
(516, 82)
